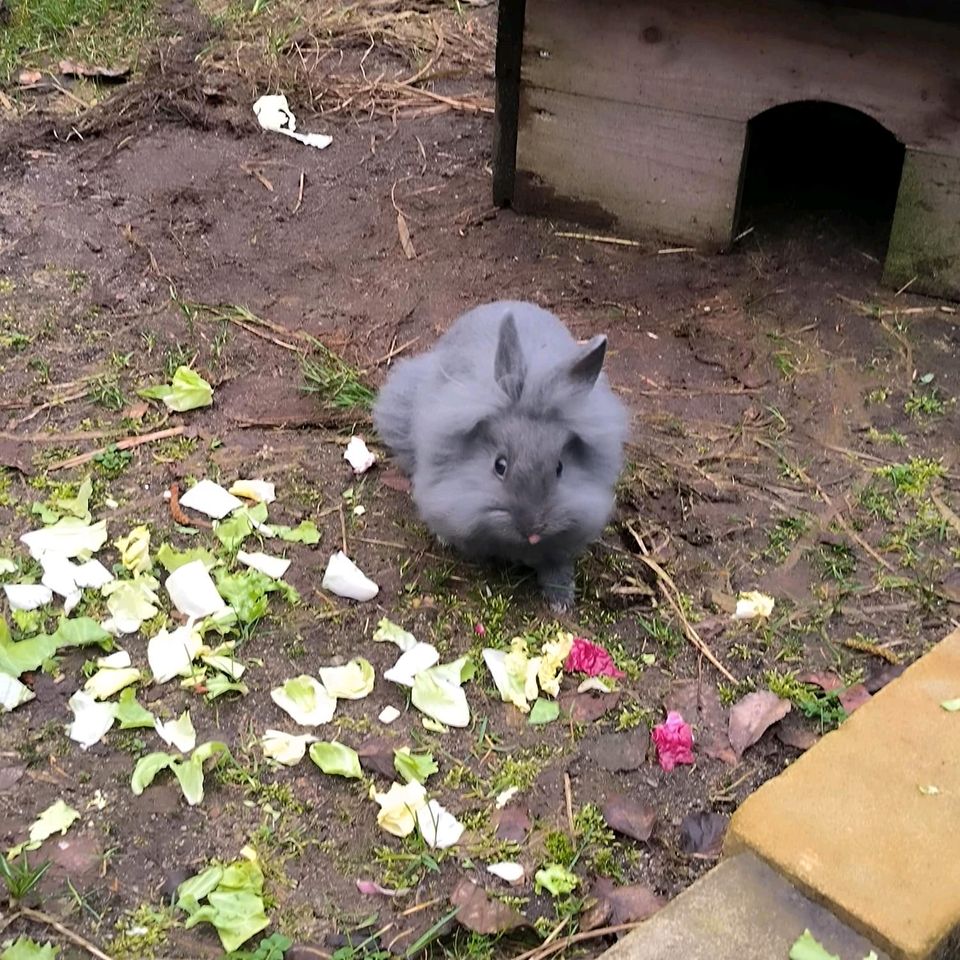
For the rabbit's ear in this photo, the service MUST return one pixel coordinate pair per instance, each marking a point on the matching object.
(509, 367)
(586, 368)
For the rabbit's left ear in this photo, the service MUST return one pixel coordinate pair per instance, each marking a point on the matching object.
(586, 368)
(509, 366)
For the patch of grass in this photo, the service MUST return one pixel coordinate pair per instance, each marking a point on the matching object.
(174, 449)
(633, 715)
(782, 537)
(178, 356)
(877, 397)
(113, 461)
(42, 369)
(142, 932)
(404, 869)
(19, 877)
(559, 848)
(521, 768)
(468, 945)
(891, 438)
(15, 340)
(37, 32)
(822, 706)
(669, 640)
(332, 379)
(924, 403)
(877, 503)
(913, 478)
(786, 364)
(596, 841)
(836, 561)
(106, 392)
(730, 693)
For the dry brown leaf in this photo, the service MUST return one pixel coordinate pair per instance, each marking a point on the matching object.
(752, 716)
(395, 480)
(588, 707)
(630, 818)
(405, 241)
(618, 752)
(791, 731)
(512, 824)
(701, 834)
(627, 904)
(77, 68)
(376, 756)
(854, 697)
(481, 914)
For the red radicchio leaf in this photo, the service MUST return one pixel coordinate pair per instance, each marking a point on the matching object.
(586, 657)
(674, 740)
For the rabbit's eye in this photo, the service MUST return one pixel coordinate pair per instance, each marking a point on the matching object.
(559, 467)
(500, 466)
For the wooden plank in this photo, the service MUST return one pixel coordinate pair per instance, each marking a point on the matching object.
(638, 169)
(924, 249)
(734, 60)
(510, 16)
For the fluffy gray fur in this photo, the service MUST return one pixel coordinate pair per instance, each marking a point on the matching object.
(508, 390)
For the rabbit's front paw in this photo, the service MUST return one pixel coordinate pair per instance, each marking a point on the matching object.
(556, 584)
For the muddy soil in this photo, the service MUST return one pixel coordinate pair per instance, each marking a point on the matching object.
(767, 389)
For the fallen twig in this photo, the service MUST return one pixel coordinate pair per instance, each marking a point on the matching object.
(300, 193)
(127, 443)
(874, 649)
(548, 950)
(176, 511)
(597, 238)
(395, 351)
(254, 172)
(700, 392)
(38, 917)
(670, 592)
(49, 404)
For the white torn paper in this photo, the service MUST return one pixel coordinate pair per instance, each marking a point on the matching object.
(438, 827)
(273, 567)
(70, 537)
(344, 578)
(275, 115)
(420, 657)
(507, 870)
(193, 591)
(388, 715)
(260, 491)
(752, 605)
(13, 692)
(211, 499)
(91, 720)
(358, 456)
(171, 654)
(27, 596)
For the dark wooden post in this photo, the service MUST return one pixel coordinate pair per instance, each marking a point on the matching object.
(510, 20)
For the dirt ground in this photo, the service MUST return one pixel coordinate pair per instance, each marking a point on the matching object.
(794, 431)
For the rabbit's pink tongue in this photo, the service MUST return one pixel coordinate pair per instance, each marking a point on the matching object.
(534, 538)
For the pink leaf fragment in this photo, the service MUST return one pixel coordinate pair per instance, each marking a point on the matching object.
(674, 740)
(586, 657)
(370, 888)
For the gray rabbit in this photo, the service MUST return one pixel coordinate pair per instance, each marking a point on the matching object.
(512, 438)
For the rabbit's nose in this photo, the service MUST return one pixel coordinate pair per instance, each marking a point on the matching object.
(534, 538)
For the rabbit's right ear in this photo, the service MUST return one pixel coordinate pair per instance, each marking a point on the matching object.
(509, 366)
